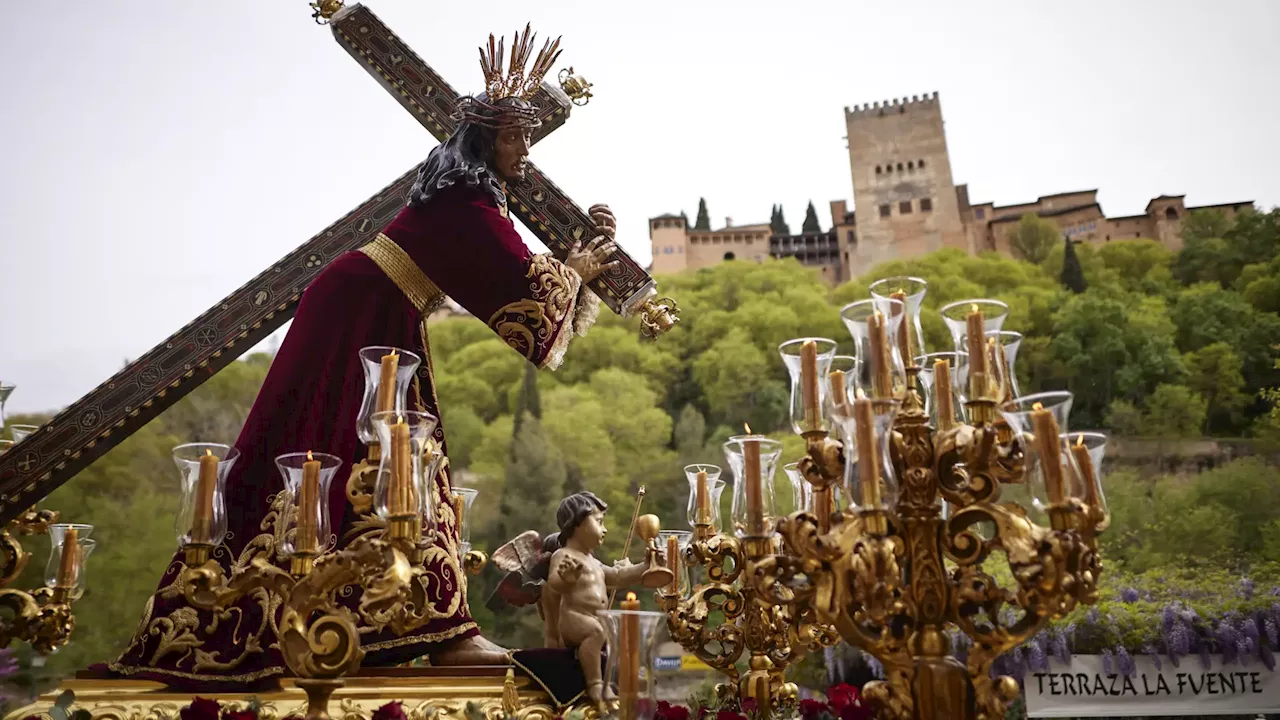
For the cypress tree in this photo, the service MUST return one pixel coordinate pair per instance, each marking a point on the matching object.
(811, 220)
(779, 223)
(1072, 274)
(704, 220)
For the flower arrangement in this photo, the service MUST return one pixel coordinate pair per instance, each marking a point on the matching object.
(843, 702)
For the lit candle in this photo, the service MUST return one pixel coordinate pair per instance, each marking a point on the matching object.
(942, 393)
(1002, 362)
(702, 501)
(868, 463)
(1050, 447)
(206, 484)
(459, 510)
(878, 344)
(974, 325)
(754, 492)
(69, 560)
(839, 392)
(309, 506)
(401, 490)
(809, 383)
(1085, 461)
(904, 330)
(387, 382)
(673, 563)
(629, 648)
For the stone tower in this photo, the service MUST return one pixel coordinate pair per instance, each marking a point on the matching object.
(905, 202)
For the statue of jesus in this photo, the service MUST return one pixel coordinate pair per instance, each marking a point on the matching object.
(453, 238)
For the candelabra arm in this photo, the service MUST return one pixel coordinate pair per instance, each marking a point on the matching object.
(42, 618)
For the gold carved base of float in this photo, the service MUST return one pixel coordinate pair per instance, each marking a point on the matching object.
(427, 694)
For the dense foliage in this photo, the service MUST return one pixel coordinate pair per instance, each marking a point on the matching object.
(1165, 344)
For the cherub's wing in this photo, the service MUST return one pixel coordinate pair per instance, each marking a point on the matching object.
(515, 590)
(519, 555)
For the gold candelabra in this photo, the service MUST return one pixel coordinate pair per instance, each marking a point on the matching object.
(905, 510)
(43, 616)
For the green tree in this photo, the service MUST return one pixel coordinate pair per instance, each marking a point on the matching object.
(811, 220)
(1072, 277)
(1175, 411)
(1214, 374)
(704, 220)
(527, 400)
(778, 223)
(1034, 238)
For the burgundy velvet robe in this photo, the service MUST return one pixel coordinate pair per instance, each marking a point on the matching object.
(468, 247)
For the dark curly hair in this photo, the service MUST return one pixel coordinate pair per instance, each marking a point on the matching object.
(573, 511)
(464, 158)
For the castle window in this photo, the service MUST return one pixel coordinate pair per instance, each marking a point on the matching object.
(884, 210)
(728, 256)
(920, 164)
(979, 213)
(899, 167)
(851, 239)
(911, 165)
(904, 207)
(926, 204)
(878, 170)
(1171, 214)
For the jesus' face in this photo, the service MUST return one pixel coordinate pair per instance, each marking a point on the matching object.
(511, 152)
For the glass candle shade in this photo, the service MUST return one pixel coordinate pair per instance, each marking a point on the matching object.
(202, 469)
(1009, 341)
(841, 405)
(682, 538)
(5, 392)
(5, 445)
(631, 633)
(1088, 448)
(405, 471)
(808, 395)
(714, 489)
(377, 398)
(880, 366)
(70, 546)
(872, 482)
(1040, 423)
(467, 498)
(22, 432)
(307, 477)
(953, 402)
(911, 291)
(956, 315)
(753, 460)
(801, 490)
(991, 383)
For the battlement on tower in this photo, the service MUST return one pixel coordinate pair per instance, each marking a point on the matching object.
(915, 103)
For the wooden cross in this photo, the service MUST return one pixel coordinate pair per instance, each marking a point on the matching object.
(113, 411)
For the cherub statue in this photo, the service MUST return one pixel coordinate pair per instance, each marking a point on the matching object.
(570, 584)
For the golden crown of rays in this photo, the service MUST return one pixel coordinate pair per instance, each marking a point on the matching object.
(516, 82)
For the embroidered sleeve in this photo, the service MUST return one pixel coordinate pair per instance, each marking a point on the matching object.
(557, 307)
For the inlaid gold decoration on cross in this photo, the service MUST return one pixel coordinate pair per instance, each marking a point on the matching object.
(900, 562)
(43, 617)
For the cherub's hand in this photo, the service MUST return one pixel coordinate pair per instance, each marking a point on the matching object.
(622, 564)
(570, 569)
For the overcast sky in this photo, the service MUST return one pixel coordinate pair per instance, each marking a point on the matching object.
(159, 153)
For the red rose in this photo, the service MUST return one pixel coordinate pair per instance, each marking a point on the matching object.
(667, 711)
(730, 715)
(856, 711)
(390, 711)
(841, 696)
(240, 715)
(749, 705)
(201, 709)
(812, 709)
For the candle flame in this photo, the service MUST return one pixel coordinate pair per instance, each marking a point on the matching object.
(859, 395)
(309, 458)
(1037, 406)
(207, 451)
(1080, 440)
(399, 419)
(973, 307)
(748, 427)
(631, 597)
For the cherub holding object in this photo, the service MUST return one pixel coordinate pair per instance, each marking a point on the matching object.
(579, 584)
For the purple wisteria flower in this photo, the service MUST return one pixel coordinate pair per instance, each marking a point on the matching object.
(1227, 638)
(1063, 652)
(1247, 588)
(1168, 616)
(1108, 663)
(1124, 663)
(1093, 616)
(1178, 642)
(1249, 627)
(8, 663)
(1037, 659)
(1246, 648)
(1130, 595)
(1272, 631)
(877, 670)
(1151, 651)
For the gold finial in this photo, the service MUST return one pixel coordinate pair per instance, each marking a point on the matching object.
(575, 86)
(325, 9)
(657, 316)
(516, 82)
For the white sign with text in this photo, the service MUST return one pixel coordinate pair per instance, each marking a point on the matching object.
(1081, 688)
